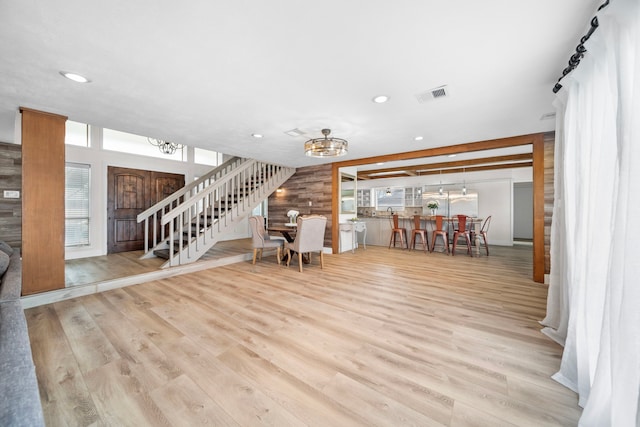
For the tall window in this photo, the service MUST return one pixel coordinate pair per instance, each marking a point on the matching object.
(207, 157)
(77, 191)
(76, 134)
(135, 144)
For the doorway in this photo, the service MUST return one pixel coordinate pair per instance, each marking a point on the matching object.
(523, 212)
(129, 193)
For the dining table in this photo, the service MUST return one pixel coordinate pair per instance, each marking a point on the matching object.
(288, 231)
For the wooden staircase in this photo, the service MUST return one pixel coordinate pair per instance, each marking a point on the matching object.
(187, 224)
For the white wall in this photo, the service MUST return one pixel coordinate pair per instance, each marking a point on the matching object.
(100, 160)
(495, 194)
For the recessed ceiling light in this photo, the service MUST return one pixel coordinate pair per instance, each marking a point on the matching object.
(75, 77)
(256, 135)
(418, 138)
(380, 99)
(451, 155)
(380, 163)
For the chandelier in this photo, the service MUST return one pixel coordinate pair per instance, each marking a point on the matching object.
(165, 147)
(326, 147)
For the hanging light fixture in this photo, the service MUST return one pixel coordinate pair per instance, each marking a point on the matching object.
(388, 193)
(441, 190)
(165, 147)
(326, 147)
(464, 185)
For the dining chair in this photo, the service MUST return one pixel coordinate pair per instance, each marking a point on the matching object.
(440, 230)
(418, 231)
(309, 238)
(397, 230)
(482, 234)
(461, 231)
(261, 240)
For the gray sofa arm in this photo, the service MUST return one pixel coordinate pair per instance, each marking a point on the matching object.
(20, 399)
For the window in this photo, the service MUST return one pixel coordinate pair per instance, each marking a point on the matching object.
(77, 191)
(135, 144)
(390, 197)
(76, 134)
(207, 157)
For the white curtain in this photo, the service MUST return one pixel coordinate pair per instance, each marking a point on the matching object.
(593, 306)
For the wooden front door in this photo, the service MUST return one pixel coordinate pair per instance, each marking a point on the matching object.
(130, 192)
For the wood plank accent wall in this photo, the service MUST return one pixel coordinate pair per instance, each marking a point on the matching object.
(43, 209)
(308, 184)
(549, 147)
(538, 209)
(11, 179)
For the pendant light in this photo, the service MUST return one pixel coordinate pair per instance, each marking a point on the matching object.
(464, 185)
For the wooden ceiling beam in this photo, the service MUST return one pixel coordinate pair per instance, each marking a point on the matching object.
(442, 151)
(413, 170)
(478, 168)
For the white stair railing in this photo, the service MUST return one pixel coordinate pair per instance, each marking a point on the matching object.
(202, 218)
(155, 234)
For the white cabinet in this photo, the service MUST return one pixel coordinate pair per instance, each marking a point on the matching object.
(378, 231)
(352, 235)
(364, 198)
(413, 197)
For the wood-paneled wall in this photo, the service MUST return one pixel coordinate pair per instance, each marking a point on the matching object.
(11, 179)
(43, 201)
(308, 184)
(549, 146)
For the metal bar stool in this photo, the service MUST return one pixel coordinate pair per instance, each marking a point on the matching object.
(441, 231)
(395, 230)
(418, 231)
(461, 231)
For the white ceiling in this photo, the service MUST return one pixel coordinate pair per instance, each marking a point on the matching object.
(210, 73)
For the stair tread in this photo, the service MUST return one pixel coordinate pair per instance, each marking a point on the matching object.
(242, 188)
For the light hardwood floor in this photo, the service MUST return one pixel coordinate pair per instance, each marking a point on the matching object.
(84, 271)
(379, 337)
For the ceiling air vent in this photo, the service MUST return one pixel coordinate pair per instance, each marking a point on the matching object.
(294, 132)
(438, 92)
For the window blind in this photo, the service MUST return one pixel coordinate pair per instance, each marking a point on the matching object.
(77, 195)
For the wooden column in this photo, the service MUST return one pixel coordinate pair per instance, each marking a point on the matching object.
(43, 209)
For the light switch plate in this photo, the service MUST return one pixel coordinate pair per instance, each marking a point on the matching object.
(11, 194)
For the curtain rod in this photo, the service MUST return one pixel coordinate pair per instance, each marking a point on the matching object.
(580, 49)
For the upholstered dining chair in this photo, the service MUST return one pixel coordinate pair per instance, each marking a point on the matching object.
(418, 231)
(461, 231)
(261, 239)
(440, 230)
(309, 238)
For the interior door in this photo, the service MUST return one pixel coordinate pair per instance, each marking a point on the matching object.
(164, 185)
(129, 193)
(523, 211)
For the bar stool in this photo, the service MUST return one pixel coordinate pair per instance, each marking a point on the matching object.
(483, 233)
(396, 229)
(440, 231)
(461, 231)
(417, 231)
